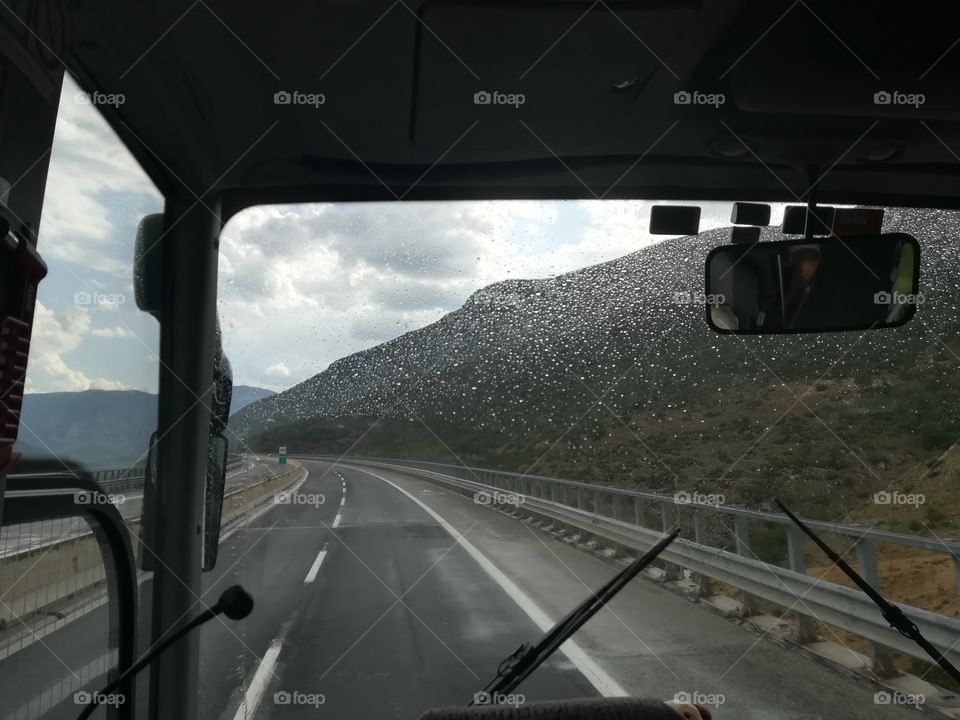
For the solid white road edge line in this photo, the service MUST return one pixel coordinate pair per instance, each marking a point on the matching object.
(315, 568)
(253, 696)
(605, 685)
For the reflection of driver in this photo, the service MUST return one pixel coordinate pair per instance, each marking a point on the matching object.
(802, 271)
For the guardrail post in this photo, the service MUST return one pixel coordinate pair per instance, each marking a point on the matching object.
(638, 514)
(741, 533)
(806, 629)
(669, 514)
(881, 659)
(701, 582)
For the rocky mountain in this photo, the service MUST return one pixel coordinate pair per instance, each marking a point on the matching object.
(606, 374)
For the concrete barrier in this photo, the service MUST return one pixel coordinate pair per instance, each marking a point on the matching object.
(34, 580)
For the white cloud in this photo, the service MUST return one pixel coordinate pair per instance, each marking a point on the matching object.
(111, 332)
(279, 370)
(55, 334)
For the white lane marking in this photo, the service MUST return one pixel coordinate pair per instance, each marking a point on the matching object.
(343, 501)
(315, 568)
(251, 700)
(605, 685)
(336, 520)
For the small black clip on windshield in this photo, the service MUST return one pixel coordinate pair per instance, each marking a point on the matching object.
(527, 658)
(891, 613)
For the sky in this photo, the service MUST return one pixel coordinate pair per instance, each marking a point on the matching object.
(300, 286)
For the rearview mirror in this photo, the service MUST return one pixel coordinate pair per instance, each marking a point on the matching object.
(799, 286)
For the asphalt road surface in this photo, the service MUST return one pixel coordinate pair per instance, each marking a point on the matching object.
(379, 595)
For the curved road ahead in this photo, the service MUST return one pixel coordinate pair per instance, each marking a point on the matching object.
(379, 595)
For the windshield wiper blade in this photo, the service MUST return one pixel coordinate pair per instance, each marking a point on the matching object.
(527, 658)
(891, 613)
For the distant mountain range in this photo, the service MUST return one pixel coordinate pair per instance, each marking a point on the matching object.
(601, 374)
(98, 428)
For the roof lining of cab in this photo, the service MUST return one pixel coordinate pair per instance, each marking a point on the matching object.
(332, 158)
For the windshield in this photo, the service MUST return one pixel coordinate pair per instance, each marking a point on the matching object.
(522, 353)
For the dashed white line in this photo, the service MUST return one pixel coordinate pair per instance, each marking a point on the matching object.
(336, 520)
(315, 568)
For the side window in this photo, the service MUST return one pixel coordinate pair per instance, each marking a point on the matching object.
(92, 374)
(90, 403)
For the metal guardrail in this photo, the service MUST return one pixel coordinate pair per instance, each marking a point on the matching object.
(580, 507)
(125, 478)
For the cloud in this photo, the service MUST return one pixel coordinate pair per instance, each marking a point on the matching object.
(278, 370)
(55, 334)
(111, 332)
(88, 162)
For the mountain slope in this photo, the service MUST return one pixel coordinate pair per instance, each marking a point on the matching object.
(514, 379)
(243, 395)
(100, 428)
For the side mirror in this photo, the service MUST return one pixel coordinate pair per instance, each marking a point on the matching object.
(797, 286)
(148, 290)
(148, 265)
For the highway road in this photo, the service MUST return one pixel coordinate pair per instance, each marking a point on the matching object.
(392, 595)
